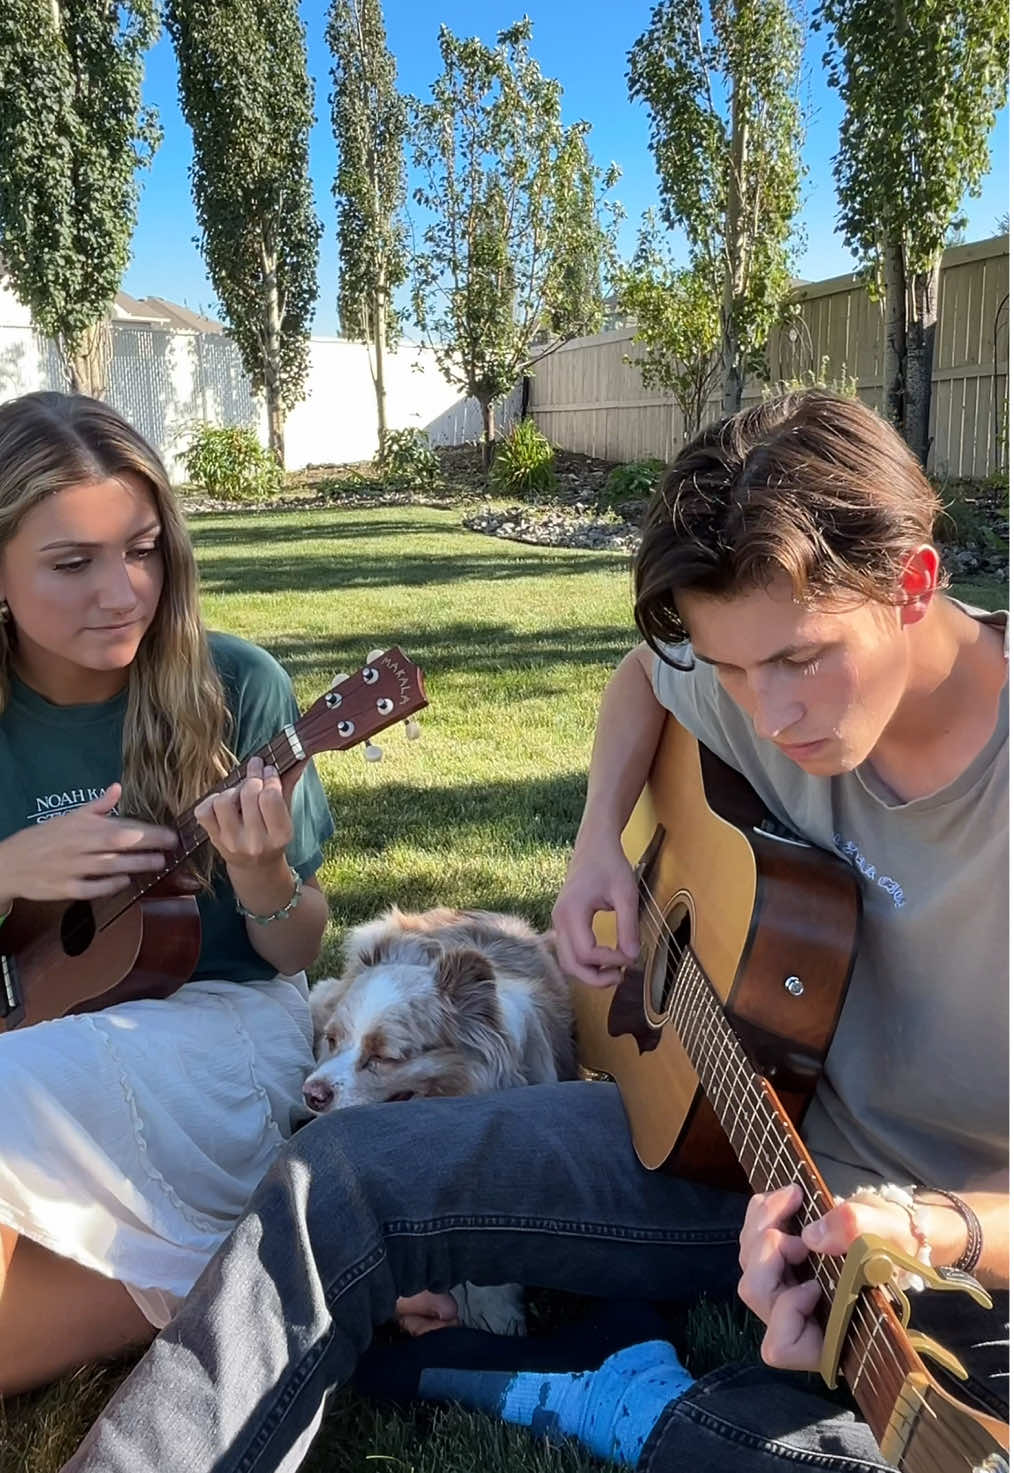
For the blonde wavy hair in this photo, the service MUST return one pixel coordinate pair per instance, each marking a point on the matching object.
(177, 721)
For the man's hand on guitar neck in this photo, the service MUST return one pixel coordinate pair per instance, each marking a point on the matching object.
(771, 1256)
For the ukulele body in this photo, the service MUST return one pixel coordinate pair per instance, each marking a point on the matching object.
(56, 959)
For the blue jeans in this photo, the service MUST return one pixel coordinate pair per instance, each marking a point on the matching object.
(538, 1185)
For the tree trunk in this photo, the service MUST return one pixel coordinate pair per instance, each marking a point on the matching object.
(893, 400)
(488, 431)
(920, 343)
(734, 268)
(273, 359)
(87, 364)
(380, 347)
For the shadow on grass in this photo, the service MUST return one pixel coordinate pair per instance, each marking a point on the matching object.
(462, 648)
(331, 530)
(312, 572)
(472, 840)
(521, 813)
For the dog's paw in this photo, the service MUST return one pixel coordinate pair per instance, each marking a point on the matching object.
(497, 1308)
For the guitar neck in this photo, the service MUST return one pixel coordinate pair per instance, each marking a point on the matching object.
(877, 1357)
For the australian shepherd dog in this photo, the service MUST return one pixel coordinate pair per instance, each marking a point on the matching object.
(444, 1002)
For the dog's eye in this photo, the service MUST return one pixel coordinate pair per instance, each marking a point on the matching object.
(377, 1061)
(331, 1042)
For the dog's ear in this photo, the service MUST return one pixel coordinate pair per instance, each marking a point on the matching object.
(465, 977)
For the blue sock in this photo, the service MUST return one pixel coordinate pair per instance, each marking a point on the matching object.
(610, 1411)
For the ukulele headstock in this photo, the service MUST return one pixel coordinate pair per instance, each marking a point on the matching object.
(387, 689)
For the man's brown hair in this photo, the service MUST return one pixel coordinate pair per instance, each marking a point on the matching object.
(809, 484)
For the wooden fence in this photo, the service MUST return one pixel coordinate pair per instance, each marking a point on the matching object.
(588, 397)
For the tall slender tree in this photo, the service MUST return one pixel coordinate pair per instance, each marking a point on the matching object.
(246, 94)
(369, 121)
(922, 84)
(516, 246)
(726, 131)
(74, 134)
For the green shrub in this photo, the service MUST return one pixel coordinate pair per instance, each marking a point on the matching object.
(408, 459)
(230, 464)
(523, 462)
(843, 382)
(635, 481)
(973, 511)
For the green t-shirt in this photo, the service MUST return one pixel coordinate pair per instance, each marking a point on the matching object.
(55, 758)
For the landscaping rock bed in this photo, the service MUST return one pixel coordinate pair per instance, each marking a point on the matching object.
(555, 526)
(974, 542)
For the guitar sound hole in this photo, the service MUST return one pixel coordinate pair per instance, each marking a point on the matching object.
(667, 958)
(77, 928)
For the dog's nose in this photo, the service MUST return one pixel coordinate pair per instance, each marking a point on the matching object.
(318, 1094)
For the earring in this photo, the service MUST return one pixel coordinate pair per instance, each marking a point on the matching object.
(5, 611)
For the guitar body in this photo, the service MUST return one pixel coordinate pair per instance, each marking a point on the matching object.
(57, 960)
(772, 922)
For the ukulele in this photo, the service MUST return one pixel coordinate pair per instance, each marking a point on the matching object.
(144, 941)
(716, 1037)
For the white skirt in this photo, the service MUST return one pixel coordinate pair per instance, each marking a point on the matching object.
(133, 1137)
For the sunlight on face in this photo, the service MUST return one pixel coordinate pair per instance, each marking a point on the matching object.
(820, 680)
(82, 577)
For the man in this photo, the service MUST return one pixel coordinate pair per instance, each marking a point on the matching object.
(788, 591)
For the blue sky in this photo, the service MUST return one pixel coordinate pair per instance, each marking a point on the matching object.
(583, 45)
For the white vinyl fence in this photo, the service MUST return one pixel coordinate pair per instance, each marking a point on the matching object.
(167, 381)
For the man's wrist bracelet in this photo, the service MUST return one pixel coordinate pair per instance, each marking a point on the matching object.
(276, 915)
(969, 1259)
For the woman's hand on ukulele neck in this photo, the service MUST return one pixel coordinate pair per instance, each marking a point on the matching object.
(250, 825)
(82, 855)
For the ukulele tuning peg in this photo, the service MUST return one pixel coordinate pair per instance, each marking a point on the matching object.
(413, 731)
(372, 753)
(373, 655)
(338, 679)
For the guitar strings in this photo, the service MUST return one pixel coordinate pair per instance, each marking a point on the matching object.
(748, 1081)
(877, 1347)
(874, 1322)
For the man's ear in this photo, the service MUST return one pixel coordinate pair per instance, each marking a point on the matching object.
(918, 583)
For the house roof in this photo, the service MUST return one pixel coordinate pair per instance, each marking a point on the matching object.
(157, 310)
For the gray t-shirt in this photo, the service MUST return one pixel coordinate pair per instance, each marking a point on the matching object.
(915, 1087)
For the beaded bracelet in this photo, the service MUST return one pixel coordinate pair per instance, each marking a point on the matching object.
(276, 915)
(903, 1197)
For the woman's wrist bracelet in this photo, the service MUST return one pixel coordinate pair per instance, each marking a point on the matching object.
(276, 915)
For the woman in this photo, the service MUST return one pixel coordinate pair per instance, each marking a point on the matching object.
(132, 1136)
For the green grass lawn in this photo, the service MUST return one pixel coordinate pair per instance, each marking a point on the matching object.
(517, 643)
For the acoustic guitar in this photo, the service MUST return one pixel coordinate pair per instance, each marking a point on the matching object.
(716, 1038)
(144, 941)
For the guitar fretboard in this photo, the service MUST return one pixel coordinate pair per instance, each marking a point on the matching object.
(773, 1155)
